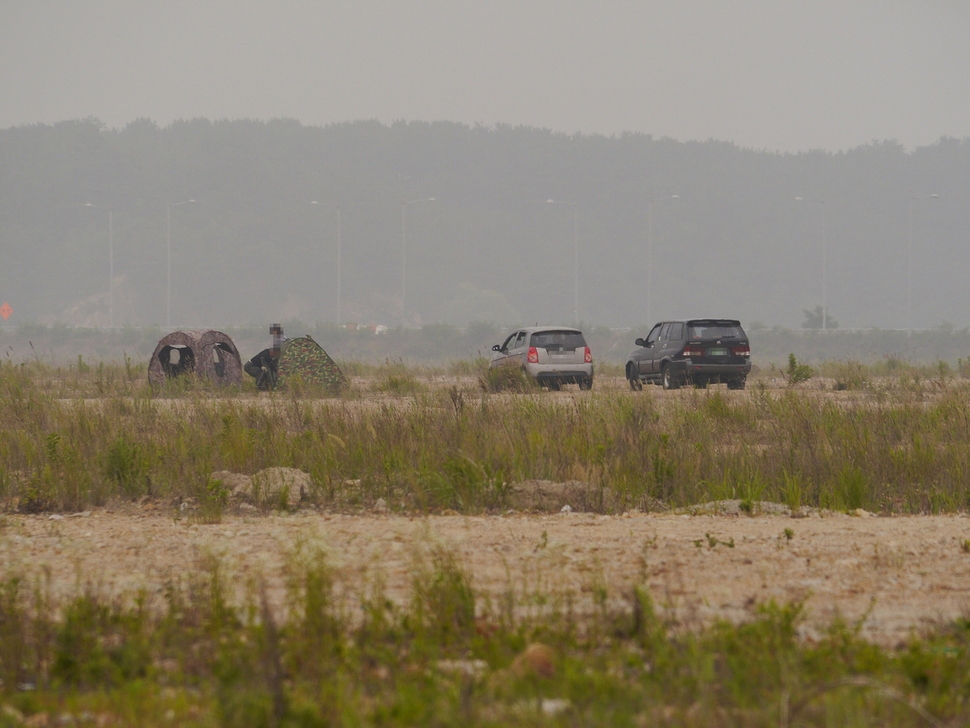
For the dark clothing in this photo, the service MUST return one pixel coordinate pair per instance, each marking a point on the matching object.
(263, 368)
(264, 359)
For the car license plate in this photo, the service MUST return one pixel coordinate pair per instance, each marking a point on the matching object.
(717, 352)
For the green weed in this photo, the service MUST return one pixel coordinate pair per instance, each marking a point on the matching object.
(849, 376)
(125, 464)
(396, 379)
(797, 373)
(204, 654)
(506, 379)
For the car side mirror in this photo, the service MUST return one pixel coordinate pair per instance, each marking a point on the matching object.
(639, 342)
(496, 348)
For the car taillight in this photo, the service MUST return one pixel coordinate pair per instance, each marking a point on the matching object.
(533, 355)
(743, 350)
(693, 351)
(588, 356)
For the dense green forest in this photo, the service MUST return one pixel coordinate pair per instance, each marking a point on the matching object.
(734, 242)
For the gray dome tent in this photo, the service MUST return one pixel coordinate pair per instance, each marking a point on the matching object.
(204, 353)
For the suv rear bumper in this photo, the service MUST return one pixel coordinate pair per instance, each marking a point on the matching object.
(724, 371)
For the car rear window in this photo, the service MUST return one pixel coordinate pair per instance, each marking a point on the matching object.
(558, 340)
(701, 331)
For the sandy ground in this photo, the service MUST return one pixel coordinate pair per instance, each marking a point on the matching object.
(899, 574)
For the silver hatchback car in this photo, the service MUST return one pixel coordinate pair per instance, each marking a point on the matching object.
(552, 355)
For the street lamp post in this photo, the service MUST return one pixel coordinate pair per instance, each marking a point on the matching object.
(111, 265)
(337, 208)
(909, 261)
(825, 307)
(650, 249)
(575, 207)
(404, 249)
(168, 258)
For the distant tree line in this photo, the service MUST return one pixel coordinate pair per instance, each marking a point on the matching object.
(444, 344)
(252, 248)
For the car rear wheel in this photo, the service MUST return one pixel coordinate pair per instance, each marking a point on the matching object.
(586, 383)
(667, 378)
(736, 383)
(635, 383)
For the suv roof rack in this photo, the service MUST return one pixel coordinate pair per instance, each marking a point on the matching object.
(713, 322)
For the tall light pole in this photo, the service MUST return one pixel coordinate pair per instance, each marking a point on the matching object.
(168, 259)
(404, 249)
(825, 306)
(909, 261)
(337, 208)
(650, 249)
(111, 265)
(575, 207)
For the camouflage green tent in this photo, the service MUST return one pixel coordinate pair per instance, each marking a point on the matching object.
(304, 360)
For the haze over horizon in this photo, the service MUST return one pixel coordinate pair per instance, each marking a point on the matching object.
(255, 109)
(787, 77)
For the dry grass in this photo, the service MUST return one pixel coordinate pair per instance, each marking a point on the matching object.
(73, 439)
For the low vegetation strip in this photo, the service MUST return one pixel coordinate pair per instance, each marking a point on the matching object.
(207, 648)
(890, 575)
(465, 449)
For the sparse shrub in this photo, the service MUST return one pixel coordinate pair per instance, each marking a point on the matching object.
(398, 380)
(713, 541)
(315, 606)
(851, 376)
(124, 463)
(100, 644)
(443, 601)
(792, 490)
(468, 367)
(213, 500)
(850, 491)
(13, 632)
(506, 379)
(797, 373)
(717, 406)
(462, 484)
(894, 364)
(37, 496)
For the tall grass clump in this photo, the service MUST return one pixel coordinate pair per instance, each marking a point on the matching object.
(395, 378)
(506, 379)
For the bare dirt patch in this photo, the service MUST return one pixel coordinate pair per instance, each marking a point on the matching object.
(895, 574)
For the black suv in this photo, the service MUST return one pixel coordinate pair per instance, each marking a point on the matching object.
(698, 351)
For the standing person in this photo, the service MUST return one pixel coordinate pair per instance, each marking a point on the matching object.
(262, 367)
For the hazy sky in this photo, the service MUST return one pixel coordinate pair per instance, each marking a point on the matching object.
(773, 75)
